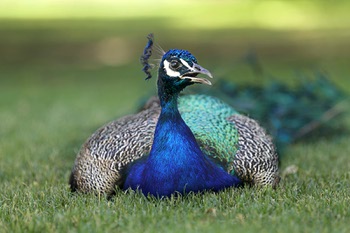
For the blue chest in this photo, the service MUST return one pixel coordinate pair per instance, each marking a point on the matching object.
(176, 163)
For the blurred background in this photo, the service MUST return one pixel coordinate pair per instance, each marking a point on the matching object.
(92, 34)
(76, 63)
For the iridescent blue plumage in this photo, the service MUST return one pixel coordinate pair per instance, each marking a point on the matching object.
(184, 54)
(176, 162)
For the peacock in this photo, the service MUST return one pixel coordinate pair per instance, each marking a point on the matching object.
(176, 143)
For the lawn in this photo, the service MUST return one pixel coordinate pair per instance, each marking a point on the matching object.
(61, 79)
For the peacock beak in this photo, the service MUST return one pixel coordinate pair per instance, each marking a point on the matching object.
(194, 71)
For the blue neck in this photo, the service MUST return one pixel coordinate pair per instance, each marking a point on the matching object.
(173, 139)
(176, 162)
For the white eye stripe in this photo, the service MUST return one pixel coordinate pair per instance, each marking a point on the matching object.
(185, 63)
(169, 71)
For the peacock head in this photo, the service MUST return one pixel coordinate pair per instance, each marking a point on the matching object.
(179, 68)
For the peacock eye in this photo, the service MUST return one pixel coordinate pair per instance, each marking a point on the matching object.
(175, 64)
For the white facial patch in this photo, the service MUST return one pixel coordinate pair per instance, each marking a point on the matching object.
(169, 71)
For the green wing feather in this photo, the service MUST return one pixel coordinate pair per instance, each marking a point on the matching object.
(207, 118)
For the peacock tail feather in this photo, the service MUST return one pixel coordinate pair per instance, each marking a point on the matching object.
(289, 113)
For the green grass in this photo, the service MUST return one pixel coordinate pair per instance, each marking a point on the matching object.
(54, 94)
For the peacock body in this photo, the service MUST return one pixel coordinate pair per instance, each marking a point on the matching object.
(177, 144)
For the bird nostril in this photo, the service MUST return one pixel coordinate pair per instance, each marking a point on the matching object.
(197, 68)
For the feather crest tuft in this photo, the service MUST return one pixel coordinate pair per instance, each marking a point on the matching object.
(147, 53)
